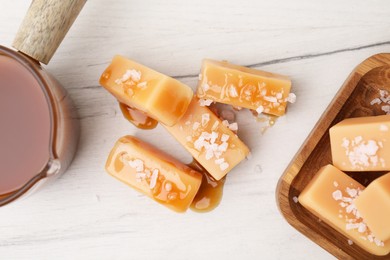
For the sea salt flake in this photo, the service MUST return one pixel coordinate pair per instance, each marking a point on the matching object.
(383, 92)
(209, 154)
(295, 199)
(386, 109)
(345, 143)
(375, 101)
(223, 147)
(337, 195)
(351, 192)
(358, 139)
(213, 137)
(134, 75)
(205, 86)
(350, 208)
(233, 126)
(361, 153)
(350, 242)
(225, 123)
(153, 179)
(142, 84)
(371, 147)
(270, 99)
(384, 96)
(224, 137)
(379, 242)
(168, 186)
(214, 147)
(137, 164)
(206, 135)
(291, 98)
(374, 160)
(260, 109)
(233, 91)
(217, 154)
(215, 125)
(224, 166)
(346, 199)
(140, 175)
(198, 144)
(362, 227)
(205, 102)
(195, 126)
(350, 226)
(205, 119)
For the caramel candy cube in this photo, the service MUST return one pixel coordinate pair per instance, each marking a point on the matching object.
(361, 144)
(330, 196)
(153, 173)
(160, 97)
(208, 140)
(244, 87)
(374, 207)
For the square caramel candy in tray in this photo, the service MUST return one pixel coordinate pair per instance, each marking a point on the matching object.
(211, 140)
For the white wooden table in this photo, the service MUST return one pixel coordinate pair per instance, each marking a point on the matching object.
(88, 215)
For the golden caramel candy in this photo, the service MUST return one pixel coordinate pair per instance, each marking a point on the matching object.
(361, 144)
(374, 207)
(330, 196)
(208, 140)
(244, 87)
(153, 173)
(160, 97)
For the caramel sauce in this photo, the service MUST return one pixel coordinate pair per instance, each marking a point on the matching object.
(137, 118)
(267, 121)
(210, 192)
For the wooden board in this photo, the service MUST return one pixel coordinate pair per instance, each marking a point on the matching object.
(352, 100)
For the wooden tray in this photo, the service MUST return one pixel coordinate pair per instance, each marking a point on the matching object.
(352, 100)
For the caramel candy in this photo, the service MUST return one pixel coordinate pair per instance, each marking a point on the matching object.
(330, 196)
(160, 97)
(374, 207)
(153, 173)
(208, 140)
(361, 144)
(244, 87)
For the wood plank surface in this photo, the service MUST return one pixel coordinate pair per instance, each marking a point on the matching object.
(86, 214)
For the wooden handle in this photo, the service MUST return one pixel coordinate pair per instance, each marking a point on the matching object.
(45, 25)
